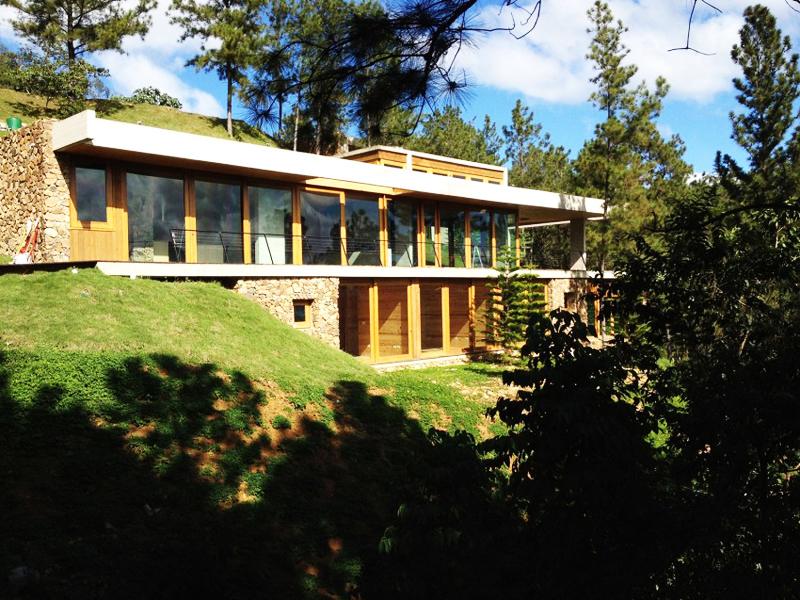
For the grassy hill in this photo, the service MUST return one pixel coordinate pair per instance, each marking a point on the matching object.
(178, 430)
(30, 107)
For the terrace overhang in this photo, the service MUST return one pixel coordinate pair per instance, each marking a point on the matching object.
(87, 135)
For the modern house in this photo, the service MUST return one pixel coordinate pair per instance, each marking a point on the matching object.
(383, 252)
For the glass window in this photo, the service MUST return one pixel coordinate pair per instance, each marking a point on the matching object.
(321, 220)
(480, 234)
(430, 303)
(402, 222)
(505, 232)
(432, 251)
(219, 222)
(452, 232)
(155, 218)
(90, 194)
(363, 231)
(270, 225)
(302, 313)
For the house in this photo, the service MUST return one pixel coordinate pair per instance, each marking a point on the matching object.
(383, 252)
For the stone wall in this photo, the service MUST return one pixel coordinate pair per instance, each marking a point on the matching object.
(33, 183)
(569, 294)
(278, 295)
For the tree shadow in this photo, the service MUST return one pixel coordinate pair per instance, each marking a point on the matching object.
(170, 481)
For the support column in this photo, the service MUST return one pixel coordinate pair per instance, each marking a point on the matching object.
(577, 244)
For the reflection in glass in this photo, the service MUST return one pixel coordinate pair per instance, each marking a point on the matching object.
(402, 222)
(431, 249)
(155, 218)
(363, 231)
(90, 194)
(480, 235)
(270, 225)
(452, 231)
(505, 232)
(321, 221)
(219, 222)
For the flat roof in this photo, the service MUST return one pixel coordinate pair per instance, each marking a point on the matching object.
(85, 134)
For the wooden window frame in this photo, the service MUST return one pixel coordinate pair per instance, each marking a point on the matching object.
(111, 174)
(308, 305)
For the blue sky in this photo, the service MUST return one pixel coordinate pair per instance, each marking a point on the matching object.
(546, 68)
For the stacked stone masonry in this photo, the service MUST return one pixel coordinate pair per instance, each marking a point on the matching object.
(33, 184)
(278, 296)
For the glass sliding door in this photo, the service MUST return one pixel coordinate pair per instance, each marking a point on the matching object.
(452, 230)
(430, 304)
(505, 232)
(270, 225)
(155, 218)
(480, 234)
(362, 227)
(321, 219)
(219, 222)
(402, 224)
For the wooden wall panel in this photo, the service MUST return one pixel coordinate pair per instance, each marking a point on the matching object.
(393, 334)
(354, 319)
(481, 313)
(459, 318)
(86, 244)
(430, 300)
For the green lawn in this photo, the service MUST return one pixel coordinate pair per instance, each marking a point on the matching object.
(178, 430)
(29, 108)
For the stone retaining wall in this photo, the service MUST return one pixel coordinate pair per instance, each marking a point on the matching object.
(569, 294)
(278, 295)
(33, 183)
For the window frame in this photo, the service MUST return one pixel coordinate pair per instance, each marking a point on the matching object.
(308, 308)
(74, 222)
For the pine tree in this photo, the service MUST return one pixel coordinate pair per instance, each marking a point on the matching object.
(71, 29)
(232, 23)
(445, 132)
(628, 162)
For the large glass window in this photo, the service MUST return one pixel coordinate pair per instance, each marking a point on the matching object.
(363, 231)
(321, 221)
(432, 251)
(392, 319)
(155, 218)
(402, 222)
(505, 231)
(452, 232)
(90, 194)
(219, 222)
(430, 304)
(270, 225)
(480, 235)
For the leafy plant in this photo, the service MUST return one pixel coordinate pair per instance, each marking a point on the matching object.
(154, 96)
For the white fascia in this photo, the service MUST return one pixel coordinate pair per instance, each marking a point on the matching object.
(86, 129)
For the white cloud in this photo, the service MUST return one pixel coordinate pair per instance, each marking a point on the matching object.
(134, 70)
(549, 64)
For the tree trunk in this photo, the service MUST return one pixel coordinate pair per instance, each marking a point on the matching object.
(296, 121)
(230, 100)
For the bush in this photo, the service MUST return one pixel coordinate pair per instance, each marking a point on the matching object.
(154, 96)
(281, 422)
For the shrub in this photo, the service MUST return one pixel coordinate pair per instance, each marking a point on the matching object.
(281, 422)
(154, 96)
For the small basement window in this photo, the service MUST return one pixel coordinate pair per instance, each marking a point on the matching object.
(302, 313)
(90, 194)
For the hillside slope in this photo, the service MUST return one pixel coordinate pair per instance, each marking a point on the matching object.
(30, 107)
(177, 430)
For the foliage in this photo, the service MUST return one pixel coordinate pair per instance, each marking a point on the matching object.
(68, 83)
(234, 30)
(61, 28)
(627, 163)
(154, 96)
(515, 297)
(446, 133)
(281, 422)
(535, 162)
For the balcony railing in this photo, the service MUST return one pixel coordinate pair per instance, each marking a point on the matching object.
(216, 246)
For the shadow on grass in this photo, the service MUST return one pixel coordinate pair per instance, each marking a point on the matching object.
(167, 481)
